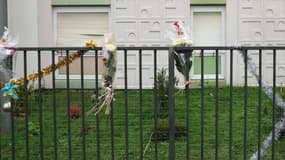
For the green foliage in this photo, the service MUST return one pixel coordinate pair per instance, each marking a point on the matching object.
(282, 92)
(19, 104)
(33, 129)
(162, 132)
(183, 62)
(162, 84)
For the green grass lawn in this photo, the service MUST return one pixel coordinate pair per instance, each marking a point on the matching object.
(148, 121)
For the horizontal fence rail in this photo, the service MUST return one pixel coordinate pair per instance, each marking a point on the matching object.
(229, 106)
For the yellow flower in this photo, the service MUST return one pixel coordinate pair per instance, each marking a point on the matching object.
(182, 42)
(91, 44)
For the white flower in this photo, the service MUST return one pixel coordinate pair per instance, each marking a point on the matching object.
(7, 44)
(7, 106)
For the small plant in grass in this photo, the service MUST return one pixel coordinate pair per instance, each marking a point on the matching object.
(162, 84)
(33, 129)
(20, 103)
(162, 131)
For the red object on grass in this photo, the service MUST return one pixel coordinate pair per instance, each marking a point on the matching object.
(74, 111)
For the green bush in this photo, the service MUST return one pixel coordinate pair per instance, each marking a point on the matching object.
(20, 103)
(162, 84)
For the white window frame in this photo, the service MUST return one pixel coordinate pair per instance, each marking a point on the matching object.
(209, 9)
(56, 11)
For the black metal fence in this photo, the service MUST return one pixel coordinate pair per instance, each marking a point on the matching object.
(214, 121)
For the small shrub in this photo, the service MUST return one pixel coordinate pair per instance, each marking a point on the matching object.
(20, 103)
(33, 129)
(162, 132)
(162, 84)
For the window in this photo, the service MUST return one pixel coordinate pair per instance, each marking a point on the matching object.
(73, 27)
(207, 26)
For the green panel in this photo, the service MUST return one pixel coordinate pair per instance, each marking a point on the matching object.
(80, 2)
(208, 2)
(209, 65)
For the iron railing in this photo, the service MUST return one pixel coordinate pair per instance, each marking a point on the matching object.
(130, 140)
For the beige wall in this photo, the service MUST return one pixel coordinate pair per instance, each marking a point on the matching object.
(253, 23)
(45, 29)
(22, 21)
(31, 22)
(145, 23)
(231, 37)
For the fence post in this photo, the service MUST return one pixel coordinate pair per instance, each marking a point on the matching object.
(171, 104)
(5, 116)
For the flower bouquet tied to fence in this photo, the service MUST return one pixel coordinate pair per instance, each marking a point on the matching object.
(105, 96)
(7, 49)
(14, 88)
(183, 58)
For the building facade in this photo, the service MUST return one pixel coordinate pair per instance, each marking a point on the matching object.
(145, 23)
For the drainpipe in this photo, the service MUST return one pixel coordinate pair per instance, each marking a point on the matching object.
(3, 15)
(4, 77)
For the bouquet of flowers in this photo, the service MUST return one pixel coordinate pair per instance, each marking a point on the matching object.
(106, 95)
(7, 45)
(7, 49)
(183, 59)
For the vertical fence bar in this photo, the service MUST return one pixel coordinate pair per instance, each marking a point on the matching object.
(0, 134)
(245, 106)
(26, 106)
(187, 84)
(231, 106)
(84, 129)
(202, 105)
(67, 106)
(171, 103)
(40, 106)
(217, 108)
(126, 103)
(155, 104)
(141, 99)
(259, 102)
(97, 117)
(12, 130)
(54, 107)
(112, 131)
(13, 133)
(273, 105)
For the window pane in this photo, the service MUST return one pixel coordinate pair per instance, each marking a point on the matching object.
(207, 28)
(74, 29)
(209, 64)
(89, 66)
